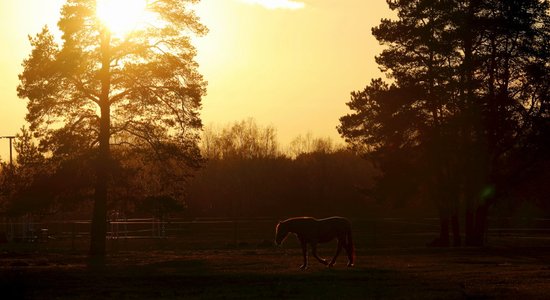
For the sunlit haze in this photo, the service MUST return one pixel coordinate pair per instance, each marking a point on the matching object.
(276, 4)
(288, 64)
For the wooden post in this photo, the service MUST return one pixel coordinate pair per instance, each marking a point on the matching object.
(73, 236)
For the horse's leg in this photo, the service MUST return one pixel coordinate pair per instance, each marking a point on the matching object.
(304, 253)
(314, 252)
(349, 251)
(338, 249)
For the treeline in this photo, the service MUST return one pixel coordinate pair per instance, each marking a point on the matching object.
(247, 175)
(60, 184)
(244, 172)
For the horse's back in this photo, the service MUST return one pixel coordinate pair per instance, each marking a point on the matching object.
(335, 219)
(319, 230)
(337, 222)
(309, 221)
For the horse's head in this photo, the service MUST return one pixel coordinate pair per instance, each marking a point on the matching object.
(280, 232)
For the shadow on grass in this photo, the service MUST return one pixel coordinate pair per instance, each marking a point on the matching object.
(194, 280)
(273, 274)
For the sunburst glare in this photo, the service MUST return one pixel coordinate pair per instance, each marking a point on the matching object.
(121, 16)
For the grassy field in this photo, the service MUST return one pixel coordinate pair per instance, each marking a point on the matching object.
(413, 273)
(388, 267)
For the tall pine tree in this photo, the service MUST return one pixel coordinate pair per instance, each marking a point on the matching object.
(462, 99)
(98, 87)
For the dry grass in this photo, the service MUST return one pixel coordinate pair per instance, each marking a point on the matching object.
(267, 273)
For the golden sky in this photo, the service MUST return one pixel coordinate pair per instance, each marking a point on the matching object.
(286, 63)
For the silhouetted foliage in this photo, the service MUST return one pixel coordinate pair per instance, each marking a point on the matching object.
(160, 206)
(308, 144)
(466, 108)
(25, 185)
(244, 139)
(40, 186)
(95, 89)
(53, 187)
(252, 178)
(318, 184)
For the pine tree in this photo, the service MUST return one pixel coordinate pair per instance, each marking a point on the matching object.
(97, 88)
(463, 97)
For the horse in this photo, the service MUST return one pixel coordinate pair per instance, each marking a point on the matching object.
(313, 231)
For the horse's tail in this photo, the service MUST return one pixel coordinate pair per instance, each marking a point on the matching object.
(351, 246)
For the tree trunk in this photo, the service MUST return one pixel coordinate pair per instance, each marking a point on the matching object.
(477, 225)
(469, 226)
(480, 230)
(444, 231)
(443, 239)
(455, 227)
(99, 219)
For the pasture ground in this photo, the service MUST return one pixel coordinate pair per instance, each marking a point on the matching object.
(253, 273)
(392, 263)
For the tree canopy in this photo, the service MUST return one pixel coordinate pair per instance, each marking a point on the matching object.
(465, 106)
(98, 91)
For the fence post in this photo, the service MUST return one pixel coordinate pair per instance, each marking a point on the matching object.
(235, 232)
(73, 236)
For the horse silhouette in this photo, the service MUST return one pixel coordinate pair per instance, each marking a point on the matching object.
(313, 231)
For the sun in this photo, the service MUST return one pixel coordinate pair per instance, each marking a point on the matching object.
(121, 16)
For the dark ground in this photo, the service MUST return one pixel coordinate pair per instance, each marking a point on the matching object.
(396, 267)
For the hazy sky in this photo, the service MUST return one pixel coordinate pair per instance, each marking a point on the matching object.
(289, 64)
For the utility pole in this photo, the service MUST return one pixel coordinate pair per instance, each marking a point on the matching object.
(11, 155)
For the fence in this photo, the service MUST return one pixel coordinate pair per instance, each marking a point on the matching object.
(208, 233)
